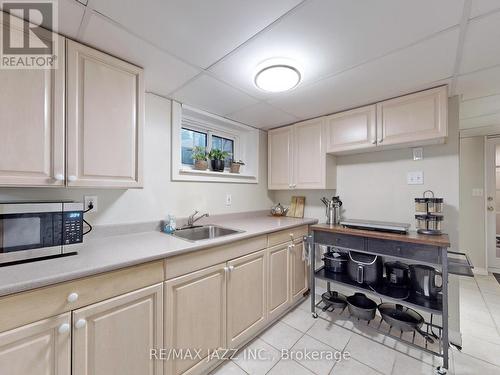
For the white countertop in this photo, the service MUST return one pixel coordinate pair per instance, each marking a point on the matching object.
(98, 255)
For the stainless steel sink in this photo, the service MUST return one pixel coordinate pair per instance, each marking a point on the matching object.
(205, 232)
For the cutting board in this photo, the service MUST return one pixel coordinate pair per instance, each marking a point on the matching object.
(297, 205)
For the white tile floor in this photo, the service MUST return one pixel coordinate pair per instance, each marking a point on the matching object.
(298, 331)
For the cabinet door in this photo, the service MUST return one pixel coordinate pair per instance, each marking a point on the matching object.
(309, 169)
(115, 336)
(280, 158)
(299, 272)
(246, 297)
(413, 118)
(195, 318)
(105, 119)
(278, 295)
(32, 123)
(352, 130)
(43, 347)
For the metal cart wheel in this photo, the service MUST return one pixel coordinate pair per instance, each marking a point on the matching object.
(314, 315)
(441, 370)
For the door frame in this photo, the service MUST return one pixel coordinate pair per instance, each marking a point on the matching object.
(492, 264)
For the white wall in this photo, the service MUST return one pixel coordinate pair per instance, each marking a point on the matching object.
(373, 185)
(160, 195)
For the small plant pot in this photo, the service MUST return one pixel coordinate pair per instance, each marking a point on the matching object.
(217, 165)
(235, 168)
(201, 165)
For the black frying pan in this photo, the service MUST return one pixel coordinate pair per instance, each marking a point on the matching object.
(403, 318)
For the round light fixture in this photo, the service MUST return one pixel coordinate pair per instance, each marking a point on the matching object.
(277, 78)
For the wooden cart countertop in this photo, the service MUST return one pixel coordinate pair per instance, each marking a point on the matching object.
(412, 237)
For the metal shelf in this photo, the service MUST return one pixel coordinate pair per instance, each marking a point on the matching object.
(413, 301)
(412, 339)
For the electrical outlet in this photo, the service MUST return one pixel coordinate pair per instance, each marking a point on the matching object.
(90, 199)
(418, 153)
(415, 178)
(229, 199)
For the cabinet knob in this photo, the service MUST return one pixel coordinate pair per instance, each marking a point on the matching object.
(63, 328)
(374, 142)
(72, 297)
(80, 323)
(71, 178)
(59, 177)
(231, 268)
(226, 269)
(491, 208)
(381, 140)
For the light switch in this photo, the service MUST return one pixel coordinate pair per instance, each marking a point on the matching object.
(229, 199)
(415, 178)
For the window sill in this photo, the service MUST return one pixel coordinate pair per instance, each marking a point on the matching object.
(189, 174)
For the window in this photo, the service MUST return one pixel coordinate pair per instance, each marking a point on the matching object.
(189, 139)
(224, 144)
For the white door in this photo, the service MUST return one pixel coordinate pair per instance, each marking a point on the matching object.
(492, 203)
(32, 123)
(280, 161)
(105, 101)
(115, 336)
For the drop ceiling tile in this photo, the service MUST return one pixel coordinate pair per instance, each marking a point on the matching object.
(262, 115)
(480, 106)
(479, 51)
(70, 17)
(475, 85)
(200, 32)
(325, 37)
(421, 66)
(209, 94)
(163, 72)
(480, 7)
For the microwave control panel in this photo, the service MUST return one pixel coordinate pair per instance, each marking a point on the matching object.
(72, 227)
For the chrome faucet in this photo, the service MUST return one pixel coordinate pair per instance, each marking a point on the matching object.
(192, 219)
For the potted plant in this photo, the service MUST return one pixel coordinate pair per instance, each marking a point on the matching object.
(200, 158)
(217, 157)
(235, 166)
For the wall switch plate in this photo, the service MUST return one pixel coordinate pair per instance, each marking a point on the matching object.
(86, 201)
(229, 199)
(418, 153)
(477, 192)
(415, 178)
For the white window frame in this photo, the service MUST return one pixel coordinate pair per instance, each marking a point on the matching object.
(245, 145)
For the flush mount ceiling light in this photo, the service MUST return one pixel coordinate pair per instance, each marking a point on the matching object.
(277, 78)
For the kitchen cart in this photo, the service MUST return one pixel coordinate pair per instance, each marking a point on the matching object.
(410, 248)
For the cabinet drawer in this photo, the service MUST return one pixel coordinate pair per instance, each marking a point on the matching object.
(287, 235)
(424, 253)
(340, 240)
(26, 307)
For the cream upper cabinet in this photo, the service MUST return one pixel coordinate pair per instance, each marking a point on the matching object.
(246, 297)
(413, 118)
(195, 317)
(43, 347)
(280, 158)
(32, 123)
(352, 130)
(299, 272)
(298, 159)
(278, 296)
(115, 336)
(105, 116)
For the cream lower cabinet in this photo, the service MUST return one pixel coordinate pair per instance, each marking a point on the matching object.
(43, 347)
(115, 336)
(195, 318)
(278, 296)
(105, 116)
(413, 118)
(246, 297)
(298, 272)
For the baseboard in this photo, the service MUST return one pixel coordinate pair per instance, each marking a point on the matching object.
(480, 271)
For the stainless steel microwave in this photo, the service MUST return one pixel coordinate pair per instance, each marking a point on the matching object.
(30, 230)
